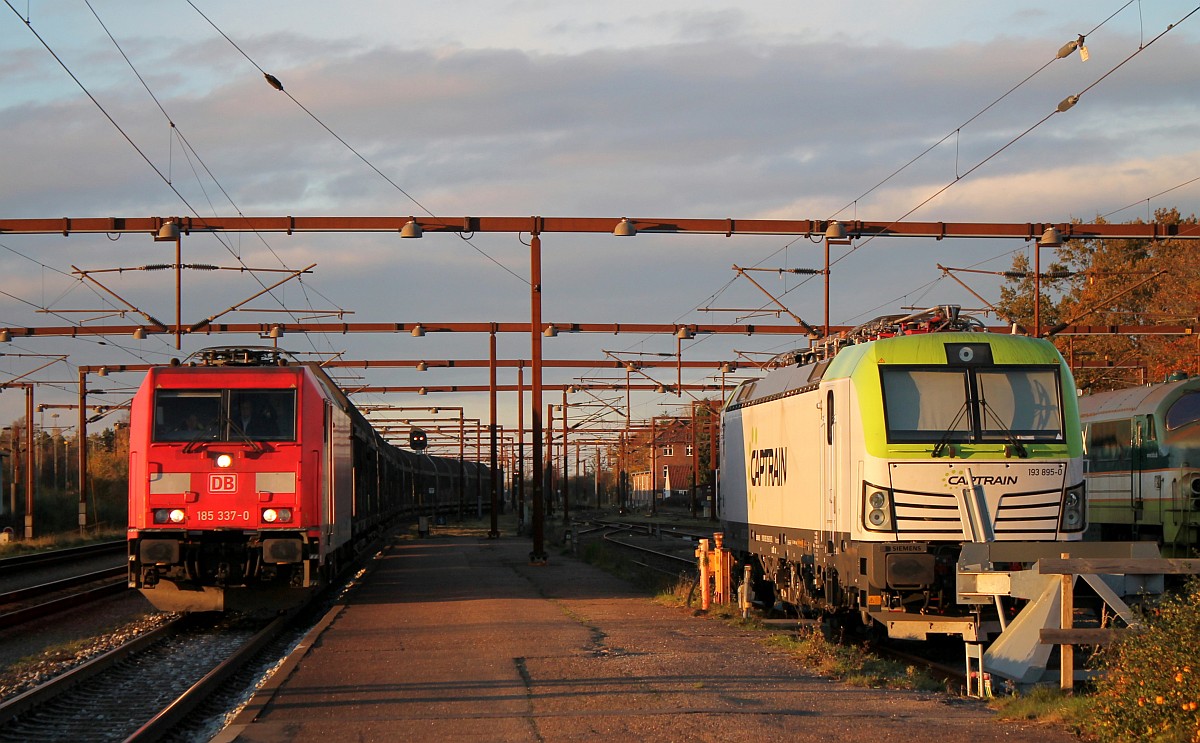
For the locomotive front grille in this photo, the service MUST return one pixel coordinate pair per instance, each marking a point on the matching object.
(1023, 514)
(944, 515)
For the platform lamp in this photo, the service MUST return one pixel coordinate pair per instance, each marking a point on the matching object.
(683, 334)
(835, 234)
(169, 232)
(625, 228)
(5, 336)
(139, 334)
(411, 229)
(1049, 239)
(727, 367)
(418, 331)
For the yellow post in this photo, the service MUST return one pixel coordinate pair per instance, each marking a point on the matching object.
(720, 569)
(705, 589)
(1066, 678)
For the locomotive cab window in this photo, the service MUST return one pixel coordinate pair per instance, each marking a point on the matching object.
(971, 404)
(1183, 411)
(224, 415)
(185, 415)
(262, 415)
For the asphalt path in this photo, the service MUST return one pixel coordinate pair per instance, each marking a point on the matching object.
(461, 638)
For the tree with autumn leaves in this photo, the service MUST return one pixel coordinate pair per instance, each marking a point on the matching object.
(1124, 283)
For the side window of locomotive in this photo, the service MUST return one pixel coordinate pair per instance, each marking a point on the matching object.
(829, 419)
(1108, 445)
(263, 415)
(186, 415)
(922, 405)
(1023, 402)
(744, 391)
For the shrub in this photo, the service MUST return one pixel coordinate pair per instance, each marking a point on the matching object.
(1150, 683)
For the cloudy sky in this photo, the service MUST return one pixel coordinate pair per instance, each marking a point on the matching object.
(659, 109)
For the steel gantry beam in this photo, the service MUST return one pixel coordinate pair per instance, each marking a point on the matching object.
(82, 331)
(853, 229)
(344, 328)
(536, 227)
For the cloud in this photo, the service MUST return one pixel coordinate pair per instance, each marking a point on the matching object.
(697, 111)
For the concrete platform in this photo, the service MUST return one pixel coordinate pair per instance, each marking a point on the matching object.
(460, 638)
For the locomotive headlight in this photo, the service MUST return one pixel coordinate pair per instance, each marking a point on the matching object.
(877, 513)
(1074, 509)
(224, 460)
(177, 515)
(277, 515)
(161, 516)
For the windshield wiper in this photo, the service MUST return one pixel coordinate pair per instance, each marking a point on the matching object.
(234, 428)
(1017, 446)
(944, 442)
(199, 440)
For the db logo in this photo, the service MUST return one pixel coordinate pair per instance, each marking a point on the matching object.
(222, 483)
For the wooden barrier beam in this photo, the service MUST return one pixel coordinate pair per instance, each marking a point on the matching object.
(1118, 566)
(1080, 636)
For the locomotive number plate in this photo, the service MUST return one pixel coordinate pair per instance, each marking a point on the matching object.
(223, 515)
(222, 482)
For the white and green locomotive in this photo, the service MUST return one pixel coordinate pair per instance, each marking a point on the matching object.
(855, 473)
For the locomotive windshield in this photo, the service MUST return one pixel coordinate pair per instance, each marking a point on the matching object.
(1183, 411)
(971, 404)
(225, 415)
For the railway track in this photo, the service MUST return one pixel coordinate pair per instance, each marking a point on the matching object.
(35, 602)
(9, 565)
(68, 578)
(142, 689)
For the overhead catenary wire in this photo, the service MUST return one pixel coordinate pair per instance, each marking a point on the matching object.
(278, 85)
(1152, 196)
(75, 78)
(1062, 107)
(958, 129)
(189, 151)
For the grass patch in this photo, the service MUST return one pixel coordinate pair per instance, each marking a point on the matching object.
(57, 541)
(852, 665)
(1046, 704)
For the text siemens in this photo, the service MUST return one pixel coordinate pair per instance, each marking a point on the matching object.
(768, 467)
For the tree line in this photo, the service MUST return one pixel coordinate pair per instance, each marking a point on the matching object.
(1115, 283)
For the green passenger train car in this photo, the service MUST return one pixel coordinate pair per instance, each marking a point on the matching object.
(1142, 455)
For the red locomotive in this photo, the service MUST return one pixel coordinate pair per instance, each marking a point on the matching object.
(252, 478)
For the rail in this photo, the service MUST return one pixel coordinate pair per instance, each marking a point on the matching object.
(59, 556)
(115, 582)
